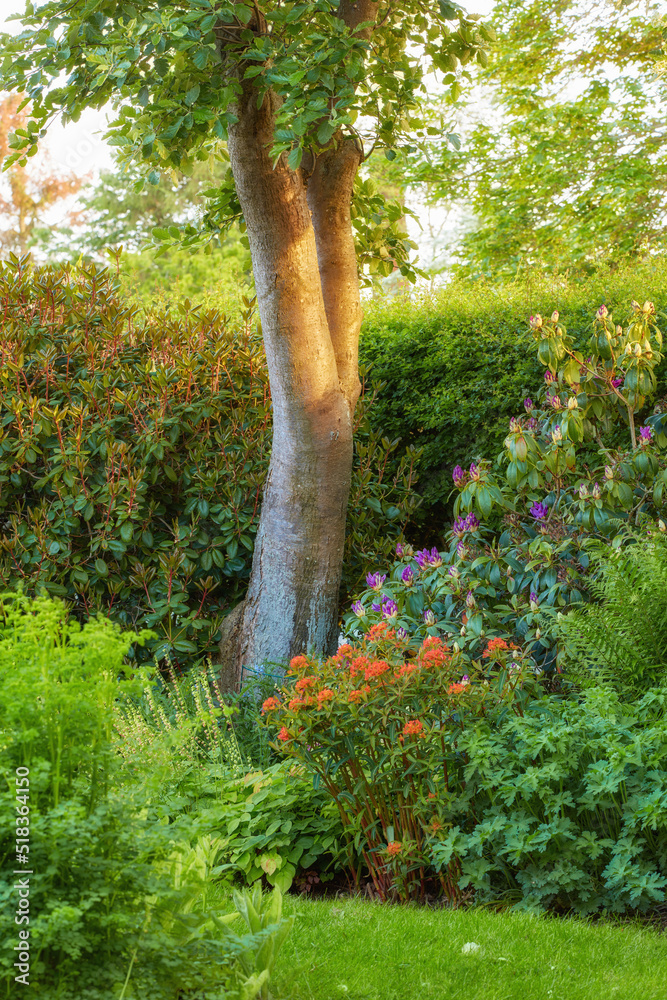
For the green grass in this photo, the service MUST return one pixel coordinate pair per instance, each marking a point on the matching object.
(364, 951)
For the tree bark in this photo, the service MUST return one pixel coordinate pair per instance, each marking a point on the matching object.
(305, 271)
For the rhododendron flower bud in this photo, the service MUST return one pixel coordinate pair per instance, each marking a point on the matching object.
(646, 433)
(528, 404)
(453, 571)
(602, 312)
(534, 603)
(555, 316)
(583, 491)
(628, 348)
(389, 608)
(463, 630)
(461, 550)
(407, 576)
(399, 549)
(661, 525)
(429, 617)
(572, 403)
(556, 434)
(422, 558)
(456, 647)
(608, 472)
(474, 472)
(549, 376)
(375, 580)
(535, 322)
(434, 558)
(538, 510)
(596, 491)
(538, 633)
(359, 609)
(470, 600)
(638, 350)
(619, 331)
(459, 476)
(649, 308)
(401, 634)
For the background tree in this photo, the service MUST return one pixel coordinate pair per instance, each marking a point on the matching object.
(28, 192)
(300, 91)
(568, 165)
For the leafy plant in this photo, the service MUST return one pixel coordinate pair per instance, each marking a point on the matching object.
(378, 725)
(567, 806)
(620, 640)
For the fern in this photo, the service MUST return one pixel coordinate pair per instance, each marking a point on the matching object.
(620, 640)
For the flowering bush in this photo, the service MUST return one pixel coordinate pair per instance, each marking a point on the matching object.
(378, 725)
(516, 553)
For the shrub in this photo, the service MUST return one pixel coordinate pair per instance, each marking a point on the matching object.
(133, 451)
(116, 903)
(457, 369)
(378, 725)
(567, 806)
(519, 555)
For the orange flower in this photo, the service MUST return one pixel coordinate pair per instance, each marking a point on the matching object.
(303, 683)
(407, 669)
(456, 688)
(494, 646)
(415, 727)
(271, 704)
(358, 665)
(366, 689)
(295, 704)
(394, 848)
(433, 642)
(432, 795)
(436, 824)
(355, 696)
(345, 649)
(376, 669)
(377, 630)
(298, 663)
(284, 735)
(324, 695)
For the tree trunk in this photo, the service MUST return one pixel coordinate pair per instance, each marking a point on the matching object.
(305, 271)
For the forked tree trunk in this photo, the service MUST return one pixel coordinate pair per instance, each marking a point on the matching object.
(305, 270)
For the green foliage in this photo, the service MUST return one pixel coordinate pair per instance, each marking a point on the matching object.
(117, 903)
(133, 452)
(620, 640)
(261, 915)
(570, 168)
(566, 806)
(376, 724)
(559, 482)
(457, 367)
(176, 74)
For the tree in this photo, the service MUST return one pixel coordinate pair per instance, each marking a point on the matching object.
(31, 190)
(299, 91)
(567, 167)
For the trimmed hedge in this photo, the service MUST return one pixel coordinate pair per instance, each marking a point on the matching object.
(458, 364)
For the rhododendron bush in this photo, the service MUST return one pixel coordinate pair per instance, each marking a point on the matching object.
(378, 724)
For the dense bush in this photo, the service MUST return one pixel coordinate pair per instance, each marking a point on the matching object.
(375, 725)
(457, 369)
(564, 807)
(133, 451)
(518, 553)
(113, 903)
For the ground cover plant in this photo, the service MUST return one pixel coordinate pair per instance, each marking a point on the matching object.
(358, 950)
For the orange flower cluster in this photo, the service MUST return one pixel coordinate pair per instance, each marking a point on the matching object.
(326, 694)
(394, 848)
(376, 631)
(303, 683)
(494, 646)
(345, 649)
(359, 665)
(407, 669)
(296, 703)
(270, 704)
(415, 727)
(456, 688)
(376, 669)
(356, 696)
(298, 663)
(433, 652)
(284, 735)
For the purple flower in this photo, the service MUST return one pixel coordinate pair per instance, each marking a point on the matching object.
(399, 549)
(616, 382)
(465, 679)
(389, 607)
(407, 576)
(422, 558)
(470, 599)
(461, 550)
(474, 471)
(429, 617)
(434, 558)
(548, 377)
(533, 596)
(453, 571)
(401, 633)
(539, 511)
(531, 424)
(459, 476)
(375, 606)
(359, 609)
(602, 312)
(528, 403)
(646, 433)
(375, 580)
(471, 522)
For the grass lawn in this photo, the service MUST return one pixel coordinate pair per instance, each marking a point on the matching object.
(363, 951)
